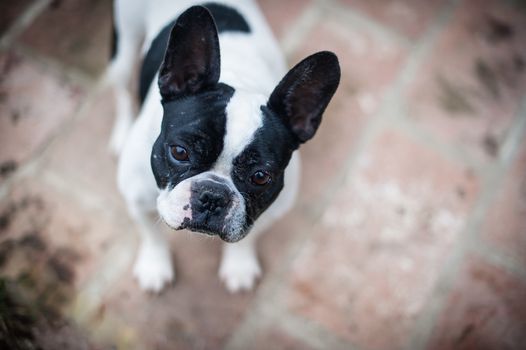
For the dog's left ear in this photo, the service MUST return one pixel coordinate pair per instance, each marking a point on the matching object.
(191, 61)
(303, 94)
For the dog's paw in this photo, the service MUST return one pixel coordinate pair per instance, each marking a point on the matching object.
(153, 268)
(239, 271)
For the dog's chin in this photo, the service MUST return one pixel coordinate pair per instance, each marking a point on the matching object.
(226, 236)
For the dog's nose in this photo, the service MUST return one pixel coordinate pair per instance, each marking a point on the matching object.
(213, 200)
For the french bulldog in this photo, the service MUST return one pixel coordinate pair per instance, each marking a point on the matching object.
(214, 147)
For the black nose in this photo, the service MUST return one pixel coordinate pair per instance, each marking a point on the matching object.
(213, 200)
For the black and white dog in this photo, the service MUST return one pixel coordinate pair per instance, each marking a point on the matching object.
(213, 149)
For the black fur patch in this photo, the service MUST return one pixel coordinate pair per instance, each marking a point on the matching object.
(210, 201)
(197, 123)
(270, 151)
(114, 41)
(226, 19)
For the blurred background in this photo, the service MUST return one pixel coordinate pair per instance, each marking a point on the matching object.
(410, 231)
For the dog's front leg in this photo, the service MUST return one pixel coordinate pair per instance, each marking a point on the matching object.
(153, 265)
(239, 268)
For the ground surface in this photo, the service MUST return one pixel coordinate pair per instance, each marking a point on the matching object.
(410, 232)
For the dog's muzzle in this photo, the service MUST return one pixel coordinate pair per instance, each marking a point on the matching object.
(216, 209)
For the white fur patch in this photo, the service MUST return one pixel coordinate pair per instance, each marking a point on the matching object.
(153, 266)
(243, 119)
(239, 267)
(235, 219)
(174, 205)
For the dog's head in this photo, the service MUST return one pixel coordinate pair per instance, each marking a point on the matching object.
(221, 154)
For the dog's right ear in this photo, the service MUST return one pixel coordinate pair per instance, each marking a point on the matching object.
(303, 94)
(191, 62)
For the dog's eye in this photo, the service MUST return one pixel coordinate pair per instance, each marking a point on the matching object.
(179, 153)
(260, 178)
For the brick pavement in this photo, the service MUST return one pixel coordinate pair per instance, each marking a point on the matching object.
(409, 232)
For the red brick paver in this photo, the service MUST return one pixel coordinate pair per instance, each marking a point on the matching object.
(78, 30)
(505, 224)
(470, 96)
(409, 17)
(486, 310)
(35, 103)
(276, 339)
(89, 135)
(369, 65)
(281, 14)
(10, 10)
(379, 248)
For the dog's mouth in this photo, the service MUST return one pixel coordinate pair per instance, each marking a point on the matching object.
(193, 226)
(208, 230)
